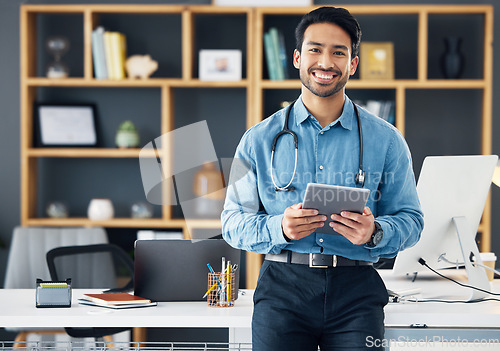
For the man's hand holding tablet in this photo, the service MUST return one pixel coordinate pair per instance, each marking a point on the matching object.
(330, 209)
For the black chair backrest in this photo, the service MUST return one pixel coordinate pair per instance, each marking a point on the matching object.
(92, 266)
(73, 260)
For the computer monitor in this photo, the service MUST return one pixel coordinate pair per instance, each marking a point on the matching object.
(452, 191)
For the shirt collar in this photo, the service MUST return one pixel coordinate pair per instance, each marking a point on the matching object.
(301, 113)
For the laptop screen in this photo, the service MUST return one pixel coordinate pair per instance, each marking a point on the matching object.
(176, 270)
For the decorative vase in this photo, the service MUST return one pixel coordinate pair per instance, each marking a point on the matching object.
(452, 60)
(100, 210)
(127, 135)
(208, 186)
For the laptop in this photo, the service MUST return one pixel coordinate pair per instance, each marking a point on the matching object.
(176, 270)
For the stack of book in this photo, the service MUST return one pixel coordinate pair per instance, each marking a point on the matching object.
(115, 300)
(109, 52)
(276, 56)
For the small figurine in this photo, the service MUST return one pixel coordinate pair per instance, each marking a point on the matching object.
(140, 66)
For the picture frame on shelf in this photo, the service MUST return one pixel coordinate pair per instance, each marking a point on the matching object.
(220, 65)
(65, 125)
(376, 60)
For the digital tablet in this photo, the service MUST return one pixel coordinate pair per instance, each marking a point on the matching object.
(333, 199)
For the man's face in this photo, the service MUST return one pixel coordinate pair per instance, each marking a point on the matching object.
(325, 62)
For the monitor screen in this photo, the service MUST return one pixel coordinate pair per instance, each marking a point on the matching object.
(448, 187)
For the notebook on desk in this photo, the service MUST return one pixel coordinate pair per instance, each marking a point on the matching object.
(176, 270)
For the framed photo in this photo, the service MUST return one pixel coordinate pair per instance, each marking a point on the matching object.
(66, 125)
(377, 60)
(220, 65)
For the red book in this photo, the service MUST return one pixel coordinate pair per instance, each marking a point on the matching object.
(116, 299)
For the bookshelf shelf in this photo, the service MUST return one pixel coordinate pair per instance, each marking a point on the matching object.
(80, 153)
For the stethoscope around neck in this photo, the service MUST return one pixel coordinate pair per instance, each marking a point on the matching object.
(360, 176)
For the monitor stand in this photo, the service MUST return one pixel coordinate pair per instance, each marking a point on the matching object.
(476, 274)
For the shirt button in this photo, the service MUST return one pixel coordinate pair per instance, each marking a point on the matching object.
(321, 167)
(321, 132)
(320, 240)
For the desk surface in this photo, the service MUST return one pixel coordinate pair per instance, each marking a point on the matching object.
(437, 314)
(17, 309)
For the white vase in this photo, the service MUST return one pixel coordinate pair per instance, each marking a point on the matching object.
(100, 209)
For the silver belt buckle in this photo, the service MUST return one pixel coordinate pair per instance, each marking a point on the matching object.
(312, 265)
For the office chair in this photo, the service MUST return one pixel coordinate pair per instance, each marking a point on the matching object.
(26, 262)
(104, 266)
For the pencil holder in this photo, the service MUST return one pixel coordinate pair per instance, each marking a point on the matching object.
(220, 290)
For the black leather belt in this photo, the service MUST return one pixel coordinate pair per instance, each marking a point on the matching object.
(316, 260)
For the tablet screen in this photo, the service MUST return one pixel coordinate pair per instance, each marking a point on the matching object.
(333, 199)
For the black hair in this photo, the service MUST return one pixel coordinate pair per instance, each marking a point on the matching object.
(334, 15)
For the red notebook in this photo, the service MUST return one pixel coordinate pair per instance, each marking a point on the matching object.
(116, 299)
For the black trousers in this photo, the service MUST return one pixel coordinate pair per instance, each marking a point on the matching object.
(301, 308)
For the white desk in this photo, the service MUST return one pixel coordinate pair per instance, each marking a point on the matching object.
(17, 309)
(452, 322)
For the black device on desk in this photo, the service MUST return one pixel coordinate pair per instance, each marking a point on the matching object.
(176, 270)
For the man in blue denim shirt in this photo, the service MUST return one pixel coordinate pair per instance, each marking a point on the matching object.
(298, 306)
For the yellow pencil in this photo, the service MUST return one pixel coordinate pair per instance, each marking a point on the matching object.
(209, 290)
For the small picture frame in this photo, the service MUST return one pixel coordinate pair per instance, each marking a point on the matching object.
(65, 125)
(220, 65)
(376, 60)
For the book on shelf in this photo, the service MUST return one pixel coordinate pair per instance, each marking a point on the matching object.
(275, 44)
(119, 49)
(98, 53)
(109, 299)
(275, 53)
(283, 55)
(108, 53)
(116, 307)
(270, 57)
(115, 51)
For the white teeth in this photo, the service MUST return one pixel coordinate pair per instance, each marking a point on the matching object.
(323, 76)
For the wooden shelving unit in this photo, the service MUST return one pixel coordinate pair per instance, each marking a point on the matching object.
(254, 83)
(30, 82)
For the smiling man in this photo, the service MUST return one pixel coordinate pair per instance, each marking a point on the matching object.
(316, 288)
